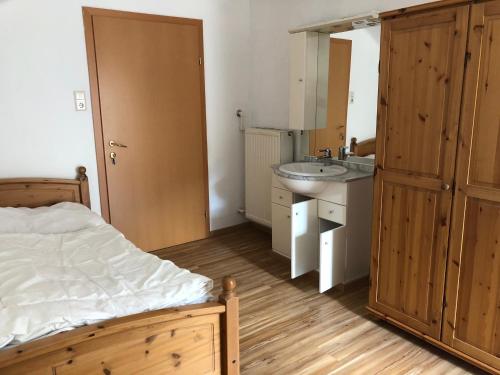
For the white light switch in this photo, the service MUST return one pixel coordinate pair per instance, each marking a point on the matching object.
(351, 97)
(80, 103)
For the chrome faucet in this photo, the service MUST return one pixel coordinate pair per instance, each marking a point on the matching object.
(327, 153)
(342, 153)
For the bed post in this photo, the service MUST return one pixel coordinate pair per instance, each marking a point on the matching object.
(230, 326)
(353, 146)
(84, 186)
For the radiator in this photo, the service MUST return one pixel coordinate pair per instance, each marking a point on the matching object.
(263, 148)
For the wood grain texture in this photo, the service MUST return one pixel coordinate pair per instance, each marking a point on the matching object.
(426, 7)
(179, 340)
(333, 136)
(230, 328)
(473, 277)
(420, 90)
(363, 148)
(287, 327)
(193, 339)
(150, 89)
(36, 192)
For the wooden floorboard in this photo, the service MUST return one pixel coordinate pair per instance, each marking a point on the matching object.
(287, 327)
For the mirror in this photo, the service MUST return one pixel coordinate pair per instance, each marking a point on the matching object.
(351, 79)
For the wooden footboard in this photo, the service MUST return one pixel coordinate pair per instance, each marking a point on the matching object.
(195, 339)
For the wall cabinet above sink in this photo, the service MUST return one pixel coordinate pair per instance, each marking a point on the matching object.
(308, 60)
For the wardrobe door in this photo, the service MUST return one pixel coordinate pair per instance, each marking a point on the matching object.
(421, 74)
(473, 280)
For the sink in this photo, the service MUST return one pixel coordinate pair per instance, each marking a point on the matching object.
(309, 169)
(312, 169)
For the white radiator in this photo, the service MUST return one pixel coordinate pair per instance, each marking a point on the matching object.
(263, 148)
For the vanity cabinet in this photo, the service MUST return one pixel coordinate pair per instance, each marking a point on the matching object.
(436, 271)
(294, 229)
(309, 58)
(327, 232)
(281, 229)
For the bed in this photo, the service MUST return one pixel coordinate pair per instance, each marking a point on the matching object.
(363, 148)
(199, 338)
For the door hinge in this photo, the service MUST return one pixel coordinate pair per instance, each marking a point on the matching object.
(199, 60)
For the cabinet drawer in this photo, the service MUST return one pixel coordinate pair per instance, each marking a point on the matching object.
(283, 197)
(332, 212)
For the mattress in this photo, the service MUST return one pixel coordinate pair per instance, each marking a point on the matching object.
(62, 267)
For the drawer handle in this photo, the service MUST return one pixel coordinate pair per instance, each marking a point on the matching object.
(280, 197)
(330, 212)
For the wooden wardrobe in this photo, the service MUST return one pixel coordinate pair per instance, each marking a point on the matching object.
(435, 268)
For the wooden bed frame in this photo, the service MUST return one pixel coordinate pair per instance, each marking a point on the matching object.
(364, 148)
(193, 339)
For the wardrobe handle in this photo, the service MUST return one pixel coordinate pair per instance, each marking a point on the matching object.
(445, 187)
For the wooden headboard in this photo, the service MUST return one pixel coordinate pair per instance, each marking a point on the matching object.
(364, 148)
(36, 192)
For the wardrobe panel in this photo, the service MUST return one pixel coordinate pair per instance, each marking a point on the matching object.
(472, 299)
(407, 250)
(478, 306)
(420, 90)
(418, 84)
(485, 157)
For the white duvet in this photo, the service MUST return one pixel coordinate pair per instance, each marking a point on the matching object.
(63, 267)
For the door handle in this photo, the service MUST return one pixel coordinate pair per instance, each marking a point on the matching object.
(445, 187)
(116, 144)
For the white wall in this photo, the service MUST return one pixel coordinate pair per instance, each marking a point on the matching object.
(363, 84)
(42, 60)
(270, 22)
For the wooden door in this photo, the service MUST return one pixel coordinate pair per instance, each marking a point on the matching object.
(333, 136)
(422, 60)
(473, 280)
(148, 94)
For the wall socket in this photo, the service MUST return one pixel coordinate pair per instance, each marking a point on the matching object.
(80, 102)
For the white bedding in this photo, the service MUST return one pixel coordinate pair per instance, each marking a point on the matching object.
(63, 267)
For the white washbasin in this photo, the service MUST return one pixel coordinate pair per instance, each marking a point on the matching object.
(308, 169)
(312, 169)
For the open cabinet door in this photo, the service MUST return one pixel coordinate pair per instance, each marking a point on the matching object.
(304, 237)
(332, 248)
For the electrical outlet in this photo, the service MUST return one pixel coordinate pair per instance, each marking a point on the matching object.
(80, 102)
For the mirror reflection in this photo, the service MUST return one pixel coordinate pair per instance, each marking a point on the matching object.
(351, 102)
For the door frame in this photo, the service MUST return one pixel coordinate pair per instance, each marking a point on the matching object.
(88, 14)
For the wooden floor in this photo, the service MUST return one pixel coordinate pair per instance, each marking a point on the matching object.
(287, 327)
